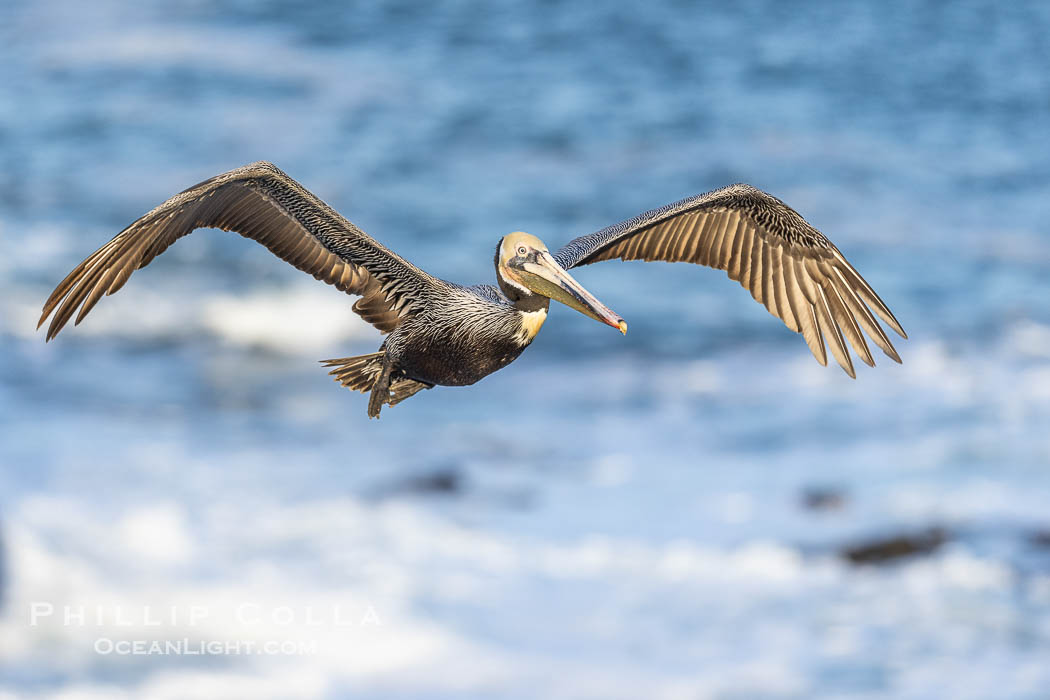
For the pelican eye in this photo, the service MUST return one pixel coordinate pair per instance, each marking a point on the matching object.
(521, 250)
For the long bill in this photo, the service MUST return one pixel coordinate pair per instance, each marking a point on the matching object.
(545, 276)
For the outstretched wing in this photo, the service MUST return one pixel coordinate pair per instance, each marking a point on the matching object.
(766, 246)
(259, 202)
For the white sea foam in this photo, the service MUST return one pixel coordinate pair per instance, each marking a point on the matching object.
(308, 318)
(390, 595)
(304, 319)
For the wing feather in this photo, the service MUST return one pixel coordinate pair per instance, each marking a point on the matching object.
(705, 242)
(783, 310)
(684, 236)
(737, 260)
(794, 295)
(754, 279)
(787, 265)
(767, 281)
(848, 324)
(724, 233)
(863, 316)
(805, 282)
(259, 202)
(670, 237)
(811, 333)
(833, 333)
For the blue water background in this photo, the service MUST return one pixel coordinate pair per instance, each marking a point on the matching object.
(626, 516)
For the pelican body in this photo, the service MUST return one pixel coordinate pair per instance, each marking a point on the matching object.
(441, 333)
(470, 332)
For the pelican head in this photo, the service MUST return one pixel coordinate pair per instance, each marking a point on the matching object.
(524, 267)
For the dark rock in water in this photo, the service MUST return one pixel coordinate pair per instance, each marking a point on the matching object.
(824, 498)
(1040, 538)
(446, 481)
(443, 481)
(878, 551)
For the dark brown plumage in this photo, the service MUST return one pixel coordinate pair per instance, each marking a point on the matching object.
(444, 333)
(259, 202)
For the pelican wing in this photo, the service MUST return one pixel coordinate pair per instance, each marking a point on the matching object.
(260, 202)
(766, 246)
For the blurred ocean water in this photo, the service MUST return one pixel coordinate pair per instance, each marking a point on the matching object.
(661, 515)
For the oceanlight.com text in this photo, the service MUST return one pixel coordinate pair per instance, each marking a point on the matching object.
(198, 647)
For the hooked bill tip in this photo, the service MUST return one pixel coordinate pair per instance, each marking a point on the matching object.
(623, 327)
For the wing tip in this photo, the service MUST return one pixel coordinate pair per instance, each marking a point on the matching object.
(882, 310)
(891, 352)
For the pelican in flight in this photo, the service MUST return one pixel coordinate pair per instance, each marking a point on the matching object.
(443, 333)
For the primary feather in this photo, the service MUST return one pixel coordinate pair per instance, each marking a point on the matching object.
(765, 245)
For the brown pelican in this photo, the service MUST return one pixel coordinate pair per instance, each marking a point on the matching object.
(448, 334)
